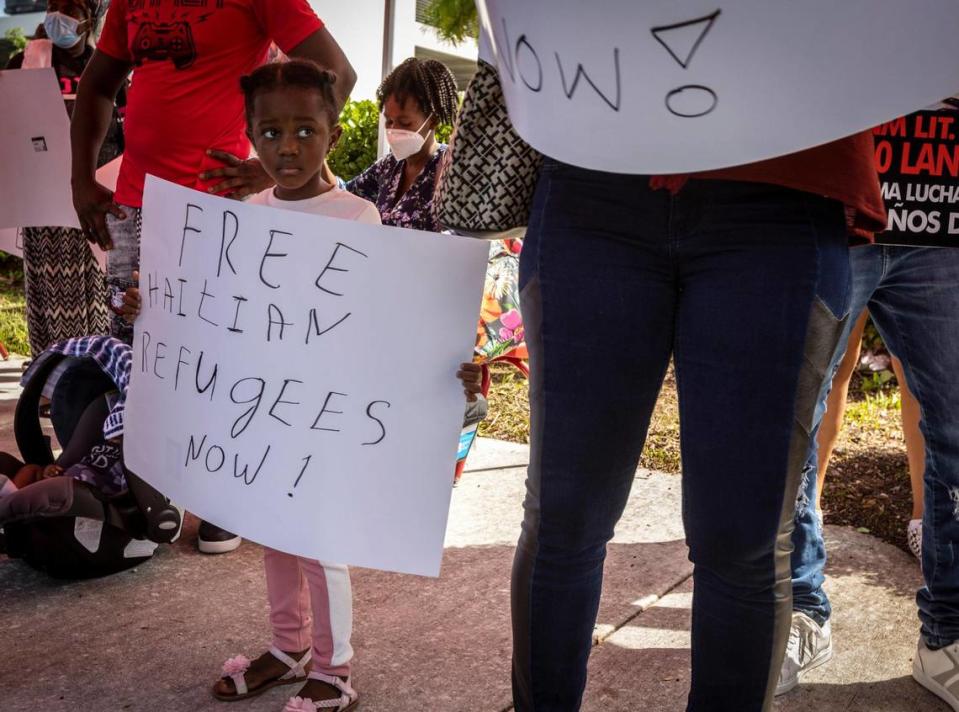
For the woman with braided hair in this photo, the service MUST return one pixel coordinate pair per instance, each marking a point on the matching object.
(65, 288)
(416, 97)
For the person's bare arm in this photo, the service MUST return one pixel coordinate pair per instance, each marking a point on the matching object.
(101, 80)
(321, 48)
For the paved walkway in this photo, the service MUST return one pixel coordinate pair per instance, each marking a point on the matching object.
(153, 638)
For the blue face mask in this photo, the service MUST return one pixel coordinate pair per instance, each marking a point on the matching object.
(62, 29)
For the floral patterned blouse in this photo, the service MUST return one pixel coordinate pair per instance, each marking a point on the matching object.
(380, 183)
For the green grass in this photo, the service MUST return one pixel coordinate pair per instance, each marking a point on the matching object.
(874, 410)
(13, 320)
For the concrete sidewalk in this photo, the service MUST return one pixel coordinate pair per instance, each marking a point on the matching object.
(154, 638)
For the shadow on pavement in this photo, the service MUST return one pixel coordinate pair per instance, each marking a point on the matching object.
(155, 637)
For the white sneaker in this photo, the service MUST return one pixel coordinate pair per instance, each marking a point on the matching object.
(809, 647)
(938, 672)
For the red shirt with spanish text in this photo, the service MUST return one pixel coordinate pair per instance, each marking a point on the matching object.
(185, 98)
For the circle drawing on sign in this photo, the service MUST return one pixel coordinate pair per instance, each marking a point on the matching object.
(691, 101)
(526, 66)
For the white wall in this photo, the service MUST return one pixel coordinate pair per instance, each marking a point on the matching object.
(27, 22)
(357, 25)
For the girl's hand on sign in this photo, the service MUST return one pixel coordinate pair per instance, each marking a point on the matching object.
(241, 178)
(131, 301)
(471, 374)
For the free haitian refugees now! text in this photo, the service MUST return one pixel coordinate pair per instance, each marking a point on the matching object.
(294, 375)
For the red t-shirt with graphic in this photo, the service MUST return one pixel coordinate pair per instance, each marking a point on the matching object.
(185, 95)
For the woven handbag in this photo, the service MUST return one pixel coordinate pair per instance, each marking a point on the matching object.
(488, 175)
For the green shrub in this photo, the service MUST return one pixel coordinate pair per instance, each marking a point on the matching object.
(13, 320)
(356, 149)
(443, 132)
(11, 43)
(453, 20)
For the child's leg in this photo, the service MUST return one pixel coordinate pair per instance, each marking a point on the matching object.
(27, 475)
(290, 619)
(289, 601)
(332, 601)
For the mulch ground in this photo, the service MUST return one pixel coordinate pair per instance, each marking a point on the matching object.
(867, 484)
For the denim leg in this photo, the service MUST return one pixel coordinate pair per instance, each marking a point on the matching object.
(809, 548)
(917, 313)
(765, 285)
(598, 303)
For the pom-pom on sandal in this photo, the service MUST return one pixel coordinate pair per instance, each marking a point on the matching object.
(236, 668)
(347, 701)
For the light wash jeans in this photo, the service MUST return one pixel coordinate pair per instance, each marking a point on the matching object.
(912, 294)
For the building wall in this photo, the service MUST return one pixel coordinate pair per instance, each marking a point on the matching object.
(357, 25)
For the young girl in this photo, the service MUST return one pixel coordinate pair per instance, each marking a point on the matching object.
(292, 123)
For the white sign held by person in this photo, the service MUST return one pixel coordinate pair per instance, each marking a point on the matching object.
(11, 241)
(11, 238)
(673, 86)
(34, 151)
(294, 375)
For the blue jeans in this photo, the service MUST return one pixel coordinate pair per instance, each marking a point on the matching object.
(912, 294)
(744, 285)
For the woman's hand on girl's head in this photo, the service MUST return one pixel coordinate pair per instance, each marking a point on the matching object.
(131, 301)
(241, 178)
(471, 375)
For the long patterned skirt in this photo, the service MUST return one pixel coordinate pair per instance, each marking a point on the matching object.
(66, 292)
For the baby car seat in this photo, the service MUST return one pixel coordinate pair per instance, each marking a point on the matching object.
(64, 526)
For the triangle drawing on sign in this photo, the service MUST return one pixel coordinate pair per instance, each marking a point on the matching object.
(682, 39)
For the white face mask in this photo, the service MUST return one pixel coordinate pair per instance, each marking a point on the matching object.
(62, 29)
(405, 143)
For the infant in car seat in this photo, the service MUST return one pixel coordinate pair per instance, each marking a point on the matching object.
(101, 466)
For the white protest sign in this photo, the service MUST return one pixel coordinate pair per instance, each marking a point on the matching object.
(294, 375)
(34, 151)
(107, 175)
(11, 238)
(11, 241)
(674, 86)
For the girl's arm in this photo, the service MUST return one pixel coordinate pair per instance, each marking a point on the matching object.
(131, 301)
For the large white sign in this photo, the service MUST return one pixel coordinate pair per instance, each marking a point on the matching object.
(11, 238)
(11, 241)
(34, 151)
(673, 86)
(294, 375)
